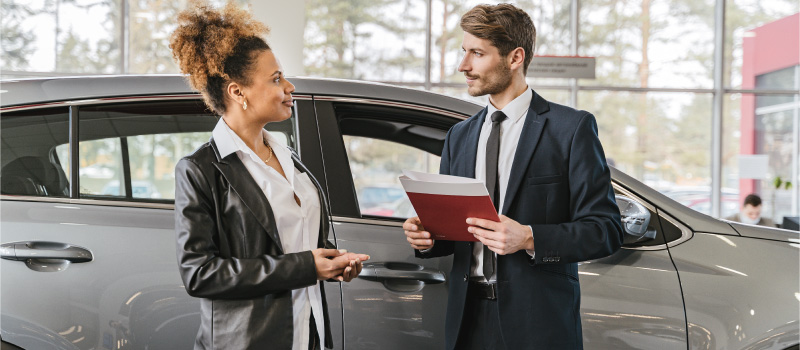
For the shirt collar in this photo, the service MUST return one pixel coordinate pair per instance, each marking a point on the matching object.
(229, 142)
(515, 109)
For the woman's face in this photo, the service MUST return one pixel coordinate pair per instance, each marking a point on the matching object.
(269, 96)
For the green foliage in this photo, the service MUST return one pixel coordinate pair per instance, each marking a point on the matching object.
(15, 40)
(779, 182)
(336, 29)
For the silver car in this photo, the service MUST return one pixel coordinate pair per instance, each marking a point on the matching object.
(85, 268)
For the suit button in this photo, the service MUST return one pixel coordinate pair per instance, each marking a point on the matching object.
(466, 278)
(557, 259)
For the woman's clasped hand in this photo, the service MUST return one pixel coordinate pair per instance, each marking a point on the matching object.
(338, 264)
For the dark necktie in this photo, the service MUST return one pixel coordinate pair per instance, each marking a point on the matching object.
(492, 184)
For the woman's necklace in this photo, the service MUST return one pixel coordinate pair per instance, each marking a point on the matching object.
(270, 151)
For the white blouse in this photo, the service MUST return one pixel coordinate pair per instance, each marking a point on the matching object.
(298, 225)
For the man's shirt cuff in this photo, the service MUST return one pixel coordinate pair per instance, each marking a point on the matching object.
(531, 252)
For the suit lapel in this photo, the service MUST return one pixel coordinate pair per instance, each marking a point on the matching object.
(473, 134)
(232, 168)
(528, 140)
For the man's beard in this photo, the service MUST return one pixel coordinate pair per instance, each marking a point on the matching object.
(495, 82)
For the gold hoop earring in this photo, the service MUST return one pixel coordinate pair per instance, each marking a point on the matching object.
(244, 105)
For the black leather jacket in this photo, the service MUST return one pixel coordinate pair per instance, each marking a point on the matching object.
(230, 255)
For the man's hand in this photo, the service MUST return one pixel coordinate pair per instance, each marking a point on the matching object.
(504, 237)
(416, 234)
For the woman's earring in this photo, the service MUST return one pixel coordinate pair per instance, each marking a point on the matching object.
(244, 105)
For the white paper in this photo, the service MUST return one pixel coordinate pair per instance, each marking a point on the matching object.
(439, 178)
(417, 182)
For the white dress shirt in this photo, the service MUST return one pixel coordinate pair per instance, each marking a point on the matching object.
(510, 129)
(298, 225)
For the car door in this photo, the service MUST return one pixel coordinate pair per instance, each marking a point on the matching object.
(110, 279)
(632, 299)
(399, 301)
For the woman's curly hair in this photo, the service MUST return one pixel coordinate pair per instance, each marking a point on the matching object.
(215, 47)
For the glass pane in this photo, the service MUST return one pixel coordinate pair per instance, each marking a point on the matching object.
(371, 40)
(376, 166)
(81, 36)
(100, 169)
(761, 146)
(761, 37)
(661, 139)
(31, 166)
(151, 23)
(157, 134)
(649, 43)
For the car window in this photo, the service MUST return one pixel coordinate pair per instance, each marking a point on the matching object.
(31, 164)
(376, 166)
(382, 141)
(129, 151)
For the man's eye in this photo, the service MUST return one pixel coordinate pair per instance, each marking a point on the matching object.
(478, 54)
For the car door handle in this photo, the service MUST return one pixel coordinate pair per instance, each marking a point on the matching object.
(382, 271)
(22, 251)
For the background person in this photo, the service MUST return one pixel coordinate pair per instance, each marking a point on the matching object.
(251, 223)
(751, 212)
(546, 172)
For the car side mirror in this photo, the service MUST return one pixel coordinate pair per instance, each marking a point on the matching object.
(635, 220)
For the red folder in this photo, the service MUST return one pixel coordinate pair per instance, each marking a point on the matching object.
(443, 203)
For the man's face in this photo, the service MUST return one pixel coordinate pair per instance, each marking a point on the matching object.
(487, 72)
(751, 212)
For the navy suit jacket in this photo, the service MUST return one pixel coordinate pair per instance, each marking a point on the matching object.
(560, 184)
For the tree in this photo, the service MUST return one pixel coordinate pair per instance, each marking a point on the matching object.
(334, 31)
(16, 41)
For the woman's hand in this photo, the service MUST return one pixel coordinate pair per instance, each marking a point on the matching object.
(354, 267)
(337, 264)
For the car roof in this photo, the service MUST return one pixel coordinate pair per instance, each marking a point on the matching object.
(58, 89)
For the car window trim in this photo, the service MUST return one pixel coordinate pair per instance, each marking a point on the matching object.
(387, 103)
(109, 203)
(106, 100)
(371, 221)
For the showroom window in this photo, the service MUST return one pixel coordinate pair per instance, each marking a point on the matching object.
(712, 77)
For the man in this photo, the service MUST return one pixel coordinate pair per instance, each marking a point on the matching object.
(517, 288)
(751, 212)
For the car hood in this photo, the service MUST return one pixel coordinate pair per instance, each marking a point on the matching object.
(762, 232)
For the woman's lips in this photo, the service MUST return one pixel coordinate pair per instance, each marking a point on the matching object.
(288, 103)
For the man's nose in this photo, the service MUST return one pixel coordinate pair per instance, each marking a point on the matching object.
(464, 65)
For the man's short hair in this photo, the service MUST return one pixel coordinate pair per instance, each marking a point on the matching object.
(752, 199)
(506, 26)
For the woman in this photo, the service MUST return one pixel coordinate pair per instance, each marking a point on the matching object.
(251, 224)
